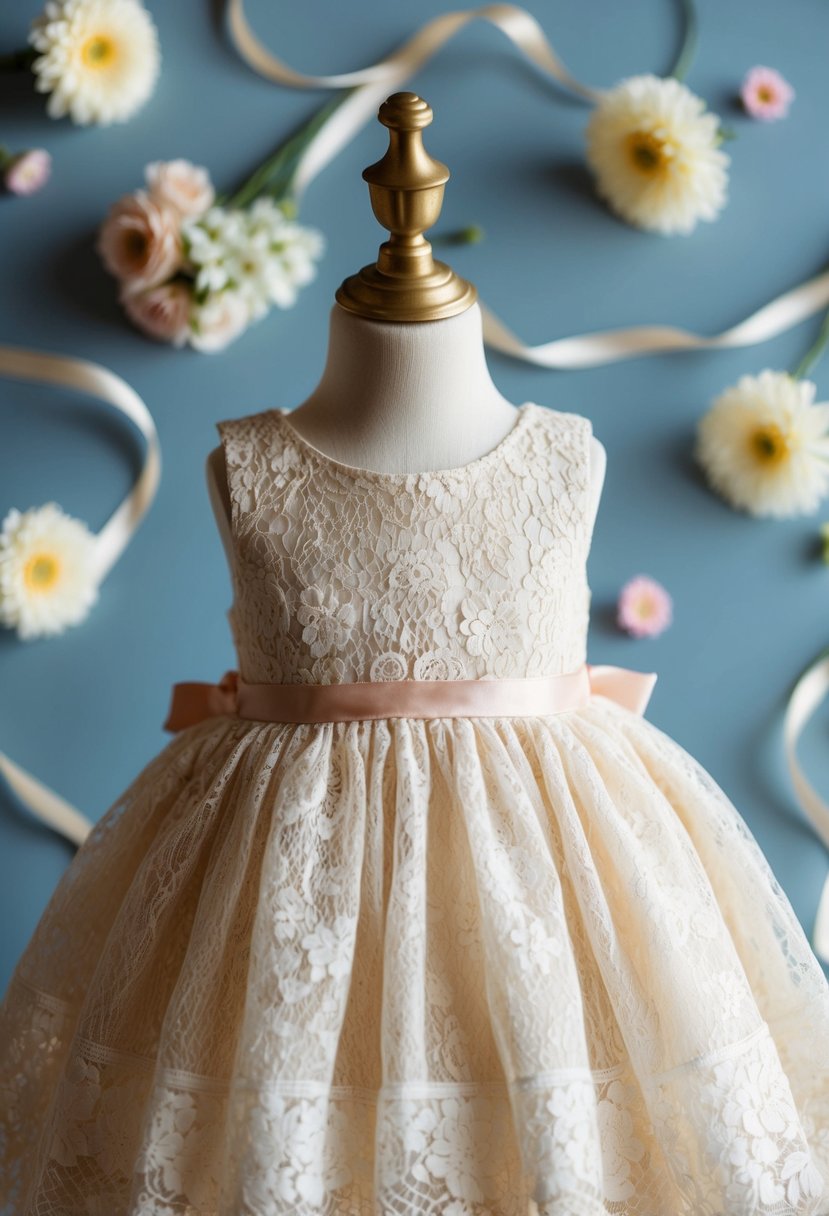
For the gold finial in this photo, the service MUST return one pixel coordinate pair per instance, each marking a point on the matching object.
(406, 189)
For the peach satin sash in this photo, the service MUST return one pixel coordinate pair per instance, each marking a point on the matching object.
(361, 700)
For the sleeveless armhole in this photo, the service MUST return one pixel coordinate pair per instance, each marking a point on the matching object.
(588, 517)
(575, 433)
(230, 434)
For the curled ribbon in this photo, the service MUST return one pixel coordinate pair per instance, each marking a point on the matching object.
(809, 692)
(372, 84)
(99, 382)
(110, 542)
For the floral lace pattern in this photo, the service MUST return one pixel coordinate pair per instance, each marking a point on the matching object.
(345, 574)
(515, 966)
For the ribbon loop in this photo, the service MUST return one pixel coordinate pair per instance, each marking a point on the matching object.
(631, 689)
(193, 702)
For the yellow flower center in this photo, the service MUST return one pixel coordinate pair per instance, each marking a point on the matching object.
(646, 151)
(98, 51)
(765, 94)
(769, 444)
(41, 572)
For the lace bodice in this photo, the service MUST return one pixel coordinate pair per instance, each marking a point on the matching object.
(345, 574)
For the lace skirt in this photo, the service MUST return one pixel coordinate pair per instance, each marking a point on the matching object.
(466, 967)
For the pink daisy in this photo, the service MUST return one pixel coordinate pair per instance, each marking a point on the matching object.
(766, 94)
(644, 609)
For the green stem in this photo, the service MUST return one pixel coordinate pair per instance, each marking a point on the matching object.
(18, 61)
(814, 352)
(689, 42)
(275, 175)
(824, 542)
(470, 235)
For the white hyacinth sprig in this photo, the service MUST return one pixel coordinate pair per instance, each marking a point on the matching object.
(257, 255)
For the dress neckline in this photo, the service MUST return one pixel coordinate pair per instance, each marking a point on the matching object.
(523, 413)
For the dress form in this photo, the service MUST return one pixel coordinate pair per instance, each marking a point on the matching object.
(406, 387)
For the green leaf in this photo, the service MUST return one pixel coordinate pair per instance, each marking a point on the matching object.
(275, 175)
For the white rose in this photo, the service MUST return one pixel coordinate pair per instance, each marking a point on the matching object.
(219, 321)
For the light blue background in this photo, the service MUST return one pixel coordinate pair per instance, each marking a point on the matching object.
(84, 711)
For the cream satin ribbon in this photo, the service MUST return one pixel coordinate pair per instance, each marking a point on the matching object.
(808, 693)
(371, 85)
(110, 542)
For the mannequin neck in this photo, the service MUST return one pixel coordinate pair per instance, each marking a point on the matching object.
(404, 397)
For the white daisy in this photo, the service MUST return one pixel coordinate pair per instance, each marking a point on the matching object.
(654, 150)
(99, 59)
(48, 571)
(764, 445)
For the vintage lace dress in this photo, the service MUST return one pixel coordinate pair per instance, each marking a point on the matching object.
(450, 966)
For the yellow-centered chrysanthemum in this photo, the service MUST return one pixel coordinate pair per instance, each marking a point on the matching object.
(764, 445)
(655, 152)
(48, 571)
(99, 59)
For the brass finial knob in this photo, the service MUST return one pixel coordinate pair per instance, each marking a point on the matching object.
(406, 190)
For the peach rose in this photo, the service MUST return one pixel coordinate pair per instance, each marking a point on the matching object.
(181, 185)
(163, 312)
(219, 321)
(140, 242)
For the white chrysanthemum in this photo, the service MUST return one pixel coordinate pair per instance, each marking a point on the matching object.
(764, 445)
(48, 571)
(654, 150)
(99, 59)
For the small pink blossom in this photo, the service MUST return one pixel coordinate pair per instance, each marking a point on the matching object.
(140, 241)
(163, 312)
(28, 172)
(181, 185)
(644, 609)
(766, 94)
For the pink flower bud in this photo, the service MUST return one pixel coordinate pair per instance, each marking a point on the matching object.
(28, 172)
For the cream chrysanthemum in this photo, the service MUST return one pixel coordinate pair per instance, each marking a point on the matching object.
(48, 573)
(654, 150)
(99, 59)
(764, 445)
